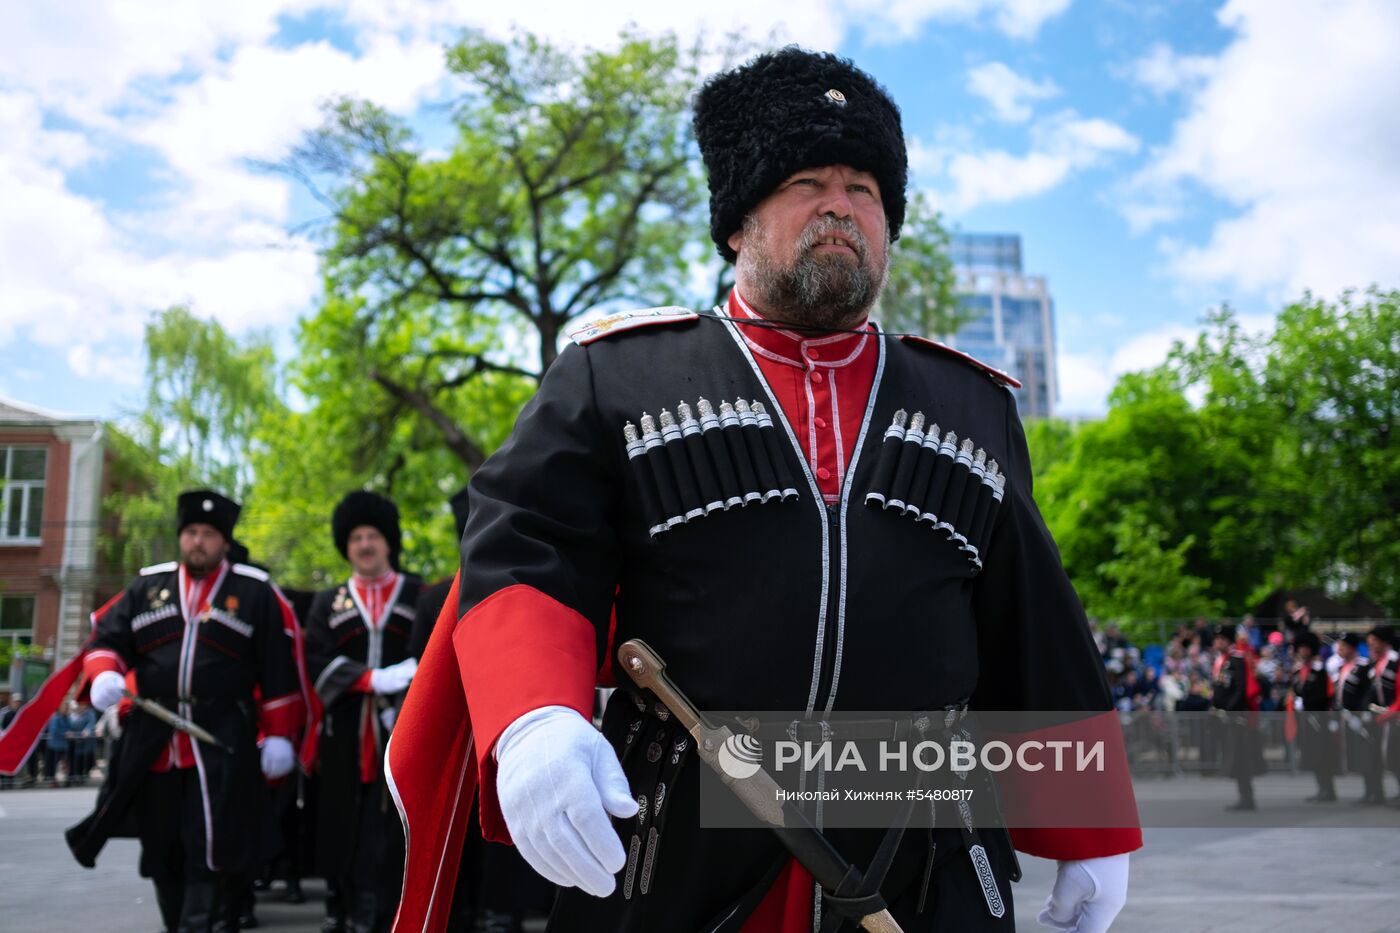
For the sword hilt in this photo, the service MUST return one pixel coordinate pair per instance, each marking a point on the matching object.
(646, 669)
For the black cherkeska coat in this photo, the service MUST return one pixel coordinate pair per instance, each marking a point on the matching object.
(719, 551)
(206, 669)
(340, 647)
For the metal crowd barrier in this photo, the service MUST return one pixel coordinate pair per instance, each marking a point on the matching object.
(1165, 743)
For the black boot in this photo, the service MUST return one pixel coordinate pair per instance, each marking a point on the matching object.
(247, 920)
(294, 893)
(334, 921)
(363, 907)
(169, 895)
(197, 911)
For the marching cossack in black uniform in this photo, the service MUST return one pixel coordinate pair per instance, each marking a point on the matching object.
(214, 644)
(1235, 693)
(795, 520)
(1319, 737)
(1385, 699)
(1352, 698)
(357, 638)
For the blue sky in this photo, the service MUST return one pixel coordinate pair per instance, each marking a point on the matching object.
(1157, 159)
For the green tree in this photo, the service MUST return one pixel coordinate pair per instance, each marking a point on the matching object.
(920, 291)
(571, 185)
(1051, 442)
(207, 392)
(1242, 463)
(351, 437)
(1333, 371)
(1148, 579)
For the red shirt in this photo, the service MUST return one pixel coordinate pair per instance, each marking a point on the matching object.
(822, 383)
(373, 595)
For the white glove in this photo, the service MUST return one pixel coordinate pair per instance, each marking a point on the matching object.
(394, 678)
(1088, 894)
(557, 780)
(107, 689)
(278, 757)
(388, 716)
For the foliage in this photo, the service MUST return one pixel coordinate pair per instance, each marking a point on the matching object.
(207, 392)
(9, 650)
(349, 438)
(1050, 441)
(919, 295)
(1148, 579)
(571, 185)
(1334, 375)
(1241, 464)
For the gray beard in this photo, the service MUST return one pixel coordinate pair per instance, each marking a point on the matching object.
(823, 292)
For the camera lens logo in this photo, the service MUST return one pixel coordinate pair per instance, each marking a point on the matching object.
(741, 756)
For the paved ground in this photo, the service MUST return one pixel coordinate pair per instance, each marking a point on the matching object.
(1277, 870)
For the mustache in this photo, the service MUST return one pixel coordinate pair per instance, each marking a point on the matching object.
(833, 226)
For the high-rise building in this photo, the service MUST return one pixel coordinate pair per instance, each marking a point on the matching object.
(1014, 326)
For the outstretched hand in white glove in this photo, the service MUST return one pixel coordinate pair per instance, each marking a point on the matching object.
(558, 780)
(107, 689)
(1088, 894)
(395, 678)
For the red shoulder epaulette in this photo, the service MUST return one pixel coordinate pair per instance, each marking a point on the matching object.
(997, 375)
(629, 320)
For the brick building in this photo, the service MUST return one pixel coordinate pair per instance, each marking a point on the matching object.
(52, 478)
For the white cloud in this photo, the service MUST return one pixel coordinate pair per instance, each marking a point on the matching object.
(85, 57)
(193, 91)
(1009, 94)
(902, 19)
(90, 363)
(1085, 381)
(257, 106)
(78, 274)
(1295, 131)
(1087, 378)
(1060, 145)
(1163, 71)
(1022, 19)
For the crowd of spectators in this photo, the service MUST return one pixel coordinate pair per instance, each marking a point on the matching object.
(67, 750)
(1177, 675)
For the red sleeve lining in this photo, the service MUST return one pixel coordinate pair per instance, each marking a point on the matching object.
(519, 650)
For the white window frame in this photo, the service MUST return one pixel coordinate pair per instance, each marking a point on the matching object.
(10, 489)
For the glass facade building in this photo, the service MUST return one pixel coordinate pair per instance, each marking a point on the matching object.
(1013, 327)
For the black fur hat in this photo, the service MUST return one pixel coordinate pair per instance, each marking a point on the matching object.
(790, 110)
(366, 508)
(206, 507)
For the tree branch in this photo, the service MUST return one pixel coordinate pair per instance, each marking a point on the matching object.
(453, 436)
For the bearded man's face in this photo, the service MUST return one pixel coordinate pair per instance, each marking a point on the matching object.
(816, 250)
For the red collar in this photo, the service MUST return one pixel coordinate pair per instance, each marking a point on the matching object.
(381, 582)
(828, 351)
